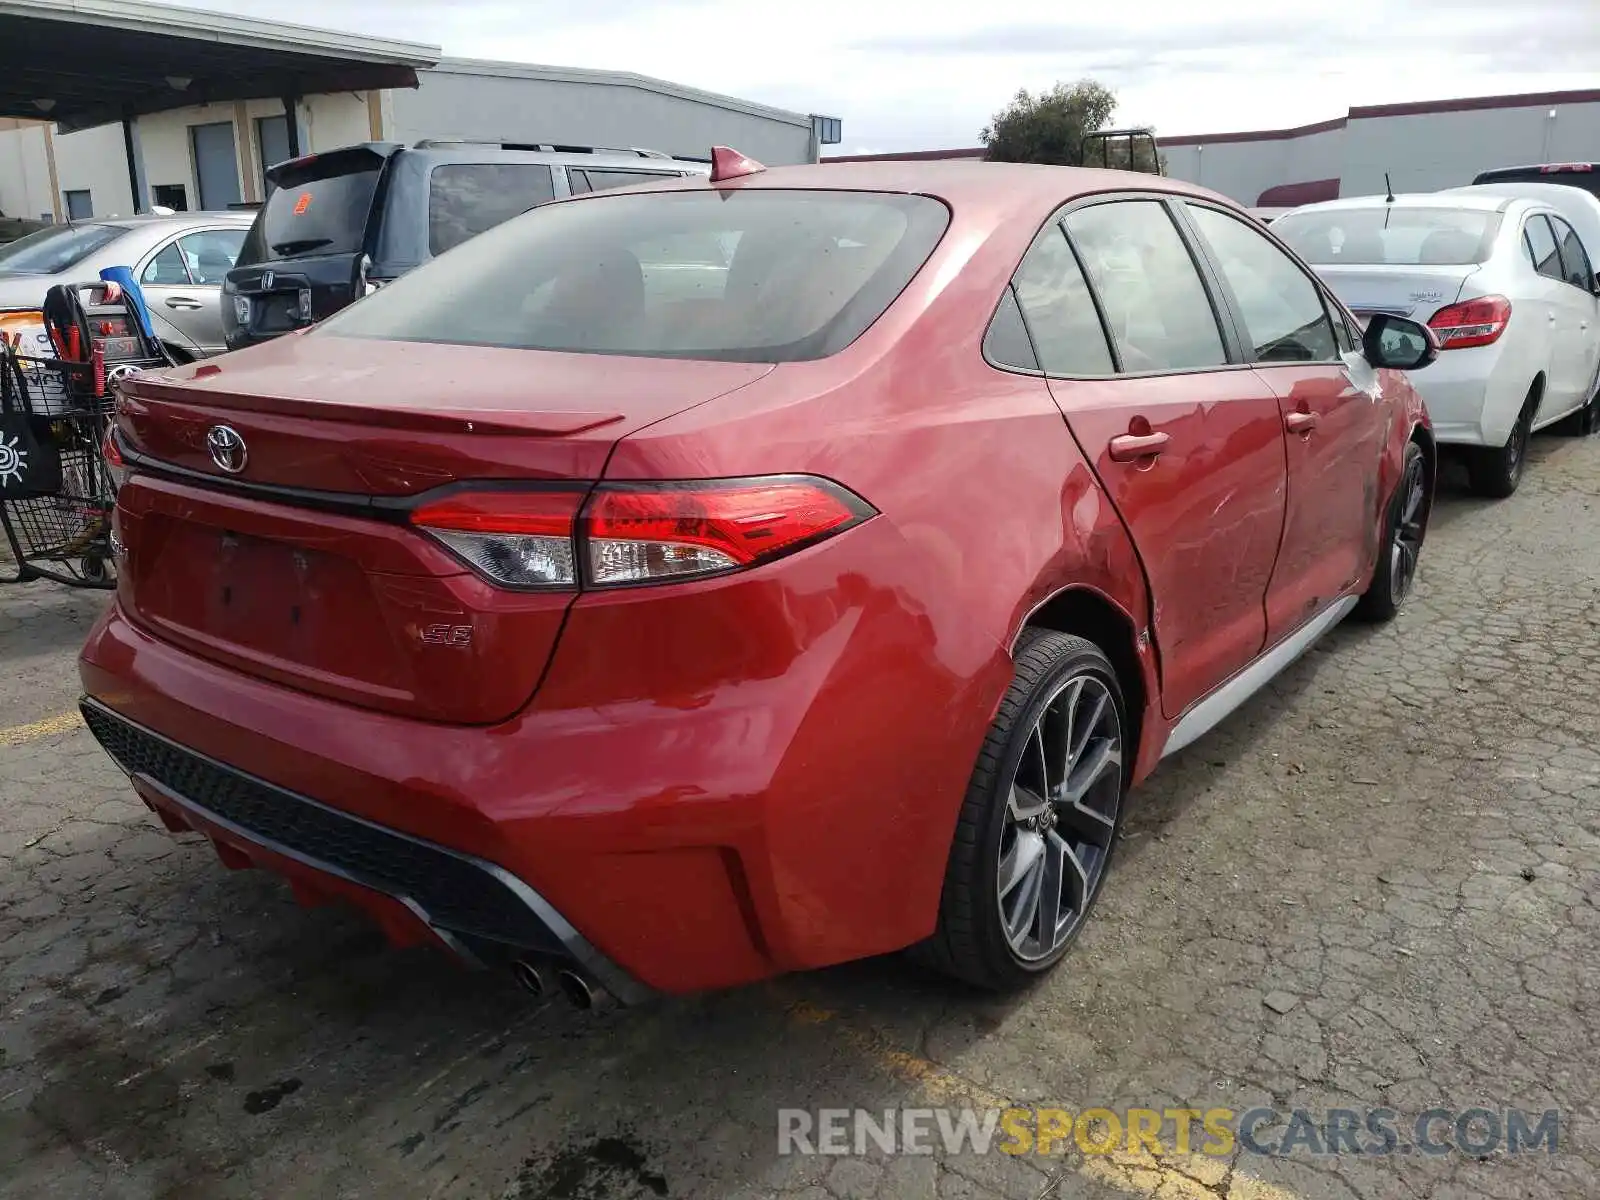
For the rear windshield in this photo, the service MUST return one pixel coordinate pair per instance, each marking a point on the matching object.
(1578, 175)
(740, 276)
(59, 248)
(1387, 234)
(318, 210)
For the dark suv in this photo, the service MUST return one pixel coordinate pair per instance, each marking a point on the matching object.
(1575, 174)
(338, 225)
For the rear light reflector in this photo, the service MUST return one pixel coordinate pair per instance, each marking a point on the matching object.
(520, 539)
(1471, 322)
(636, 533)
(111, 455)
(642, 534)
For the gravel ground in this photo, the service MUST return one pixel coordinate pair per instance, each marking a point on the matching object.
(1376, 886)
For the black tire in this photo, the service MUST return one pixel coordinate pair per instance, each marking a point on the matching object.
(1405, 527)
(969, 941)
(1495, 471)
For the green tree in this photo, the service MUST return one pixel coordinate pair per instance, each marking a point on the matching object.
(1050, 128)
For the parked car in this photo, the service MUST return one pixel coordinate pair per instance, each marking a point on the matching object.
(1582, 175)
(179, 261)
(339, 225)
(673, 628)
(1510, 290)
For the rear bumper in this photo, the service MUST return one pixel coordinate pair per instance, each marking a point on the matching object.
(1475, 395)
(752, 818)
(475, 909)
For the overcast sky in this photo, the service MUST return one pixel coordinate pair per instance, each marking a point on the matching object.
(910, 75)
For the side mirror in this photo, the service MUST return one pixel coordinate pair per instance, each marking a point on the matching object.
(1398, 343)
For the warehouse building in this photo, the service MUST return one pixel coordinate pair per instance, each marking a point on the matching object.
(1423, 147)
(184, 109)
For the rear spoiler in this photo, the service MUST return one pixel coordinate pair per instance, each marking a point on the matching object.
(363, 155)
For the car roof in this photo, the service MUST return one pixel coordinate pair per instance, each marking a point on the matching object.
(1486, 201)
(204, 217)
(1007, 190)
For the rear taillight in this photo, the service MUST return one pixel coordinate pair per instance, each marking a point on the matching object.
(654, 532)
(637, 533)
(1472, 322)
(518, 538)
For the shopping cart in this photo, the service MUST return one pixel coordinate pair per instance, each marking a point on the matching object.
(57, 490)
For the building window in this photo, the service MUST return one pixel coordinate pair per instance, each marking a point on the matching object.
(80, 205)
(171, 195)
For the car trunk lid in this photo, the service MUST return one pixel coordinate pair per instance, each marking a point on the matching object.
(1414, 291)
(300, 567)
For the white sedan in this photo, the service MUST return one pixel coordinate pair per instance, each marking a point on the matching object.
(1506, 284)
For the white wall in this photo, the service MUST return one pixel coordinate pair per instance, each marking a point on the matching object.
(1239, 170)
(25, 173)
(1429, 151)
(96, 159)
(473, 101)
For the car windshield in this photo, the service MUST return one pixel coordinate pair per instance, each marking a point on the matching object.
(59, 248)
(1390, 234)
(738, 276)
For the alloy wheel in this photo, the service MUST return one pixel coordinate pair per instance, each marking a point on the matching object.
(1406, 545)
(1061, 815)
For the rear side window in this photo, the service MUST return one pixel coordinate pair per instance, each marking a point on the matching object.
(1060, 312)
(593, 179)
(1281, 308)
(1540, 246)
(1006, 343)
(1574, 259)
(320, 208)
(761, 275)
(1158, 309)
(466, 199)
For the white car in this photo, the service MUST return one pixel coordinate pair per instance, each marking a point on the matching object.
(1506, 284)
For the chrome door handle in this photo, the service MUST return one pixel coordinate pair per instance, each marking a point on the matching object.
(1130, 447)
(182, 302)
(1300, 422)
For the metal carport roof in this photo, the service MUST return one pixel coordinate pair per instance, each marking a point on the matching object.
(89, 62)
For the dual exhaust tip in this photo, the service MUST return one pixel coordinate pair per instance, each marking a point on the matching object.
(581, 991)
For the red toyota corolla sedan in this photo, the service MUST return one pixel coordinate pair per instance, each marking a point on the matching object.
(671, 588)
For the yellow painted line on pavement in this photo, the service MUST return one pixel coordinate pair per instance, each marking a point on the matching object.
(18, 734)
(1172, 1176)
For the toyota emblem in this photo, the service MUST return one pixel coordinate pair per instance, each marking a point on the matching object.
(227, 448)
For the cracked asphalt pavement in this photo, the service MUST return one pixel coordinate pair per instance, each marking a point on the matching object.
(1376, 885)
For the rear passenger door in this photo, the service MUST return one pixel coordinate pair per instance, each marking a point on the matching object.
(1583, 329)
(1335, 432)
(1555, 335)
(1188, 446)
